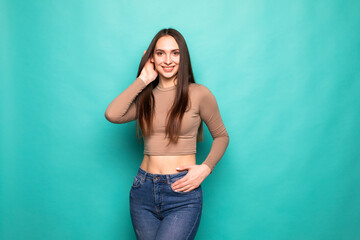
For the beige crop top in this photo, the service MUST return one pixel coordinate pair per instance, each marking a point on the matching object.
(203, 107)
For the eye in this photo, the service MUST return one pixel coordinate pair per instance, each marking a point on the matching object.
(159, 53)
(176, 53)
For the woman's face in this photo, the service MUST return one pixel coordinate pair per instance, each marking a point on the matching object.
(166, 57)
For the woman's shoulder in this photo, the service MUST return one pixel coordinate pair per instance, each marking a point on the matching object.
(200, 88)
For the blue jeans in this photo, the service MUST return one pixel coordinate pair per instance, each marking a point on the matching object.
(158, 212)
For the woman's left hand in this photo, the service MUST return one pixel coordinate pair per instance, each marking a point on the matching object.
(196, 174)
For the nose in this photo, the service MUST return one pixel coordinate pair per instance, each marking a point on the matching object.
(168, 59)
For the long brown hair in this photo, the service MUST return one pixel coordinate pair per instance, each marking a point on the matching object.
(145, 102)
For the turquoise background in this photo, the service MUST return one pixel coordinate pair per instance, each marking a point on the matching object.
(286, 76)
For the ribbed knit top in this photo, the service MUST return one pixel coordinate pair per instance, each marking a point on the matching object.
(203, 106)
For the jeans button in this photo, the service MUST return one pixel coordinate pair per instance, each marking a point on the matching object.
(156, 178)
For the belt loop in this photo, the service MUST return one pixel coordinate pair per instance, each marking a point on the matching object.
(168, 179)
(145, 176)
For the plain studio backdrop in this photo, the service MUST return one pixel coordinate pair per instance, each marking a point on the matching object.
(286, 75)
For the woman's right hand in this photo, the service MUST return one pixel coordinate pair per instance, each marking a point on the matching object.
(148, 73)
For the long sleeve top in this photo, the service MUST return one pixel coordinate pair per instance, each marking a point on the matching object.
(203, 106)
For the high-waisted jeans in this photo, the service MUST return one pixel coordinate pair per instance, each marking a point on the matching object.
(159, 212)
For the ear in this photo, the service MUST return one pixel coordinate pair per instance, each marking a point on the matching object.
(151, 58)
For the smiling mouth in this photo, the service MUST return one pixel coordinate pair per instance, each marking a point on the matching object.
(168, 69)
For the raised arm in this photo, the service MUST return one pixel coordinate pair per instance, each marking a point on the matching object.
(123, 108)
(210, 114)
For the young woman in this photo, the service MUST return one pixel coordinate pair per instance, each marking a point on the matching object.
(166, 196)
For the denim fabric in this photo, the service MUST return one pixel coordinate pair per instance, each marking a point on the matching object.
(158, 212)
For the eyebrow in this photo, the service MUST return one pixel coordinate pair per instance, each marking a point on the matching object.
(164, 51)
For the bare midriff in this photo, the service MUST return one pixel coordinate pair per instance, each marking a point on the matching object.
(166, 164)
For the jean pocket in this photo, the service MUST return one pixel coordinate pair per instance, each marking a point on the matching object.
(137, 182)
(180, 192)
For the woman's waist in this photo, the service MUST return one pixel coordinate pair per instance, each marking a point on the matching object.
(162, 164)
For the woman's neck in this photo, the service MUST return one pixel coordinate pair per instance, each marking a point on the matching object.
(166, 82)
